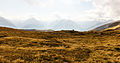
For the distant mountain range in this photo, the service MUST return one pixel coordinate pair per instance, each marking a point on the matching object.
(59, 24)
(64, 24)
(32, 23)
(6, 23)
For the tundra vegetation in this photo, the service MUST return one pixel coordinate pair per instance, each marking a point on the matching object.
(17, 46)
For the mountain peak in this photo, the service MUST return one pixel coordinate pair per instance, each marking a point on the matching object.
(33, 23)
(5, 22)
(64, 24)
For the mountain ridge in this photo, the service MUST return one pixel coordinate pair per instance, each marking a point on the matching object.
(114, 24)
(6, 23)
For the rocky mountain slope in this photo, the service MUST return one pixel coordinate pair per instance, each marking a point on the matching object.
(110, 26)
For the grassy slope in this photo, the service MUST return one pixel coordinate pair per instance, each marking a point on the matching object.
(59, 46)
(113, 28)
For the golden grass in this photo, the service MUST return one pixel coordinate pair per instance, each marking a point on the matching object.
(18, 46)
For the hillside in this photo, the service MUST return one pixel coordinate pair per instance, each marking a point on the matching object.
(17, 46)
(113, 25)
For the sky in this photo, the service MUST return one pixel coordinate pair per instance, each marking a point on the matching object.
(50, 10)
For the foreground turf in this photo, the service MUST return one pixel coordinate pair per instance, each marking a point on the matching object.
(18, 46)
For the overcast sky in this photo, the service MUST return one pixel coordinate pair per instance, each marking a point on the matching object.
(49, 10)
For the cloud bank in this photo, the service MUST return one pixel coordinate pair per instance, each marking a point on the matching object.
(51, 2)
(66, 9)
(106, 9)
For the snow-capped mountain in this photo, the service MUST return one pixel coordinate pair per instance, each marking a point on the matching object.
(59, 24)
(64, 24)
(6, 23)
(33, 23)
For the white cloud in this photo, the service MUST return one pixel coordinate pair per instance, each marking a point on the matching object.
(90, 14)
(1, 13)
(43, 3)
(50, 2)
(106, 9)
